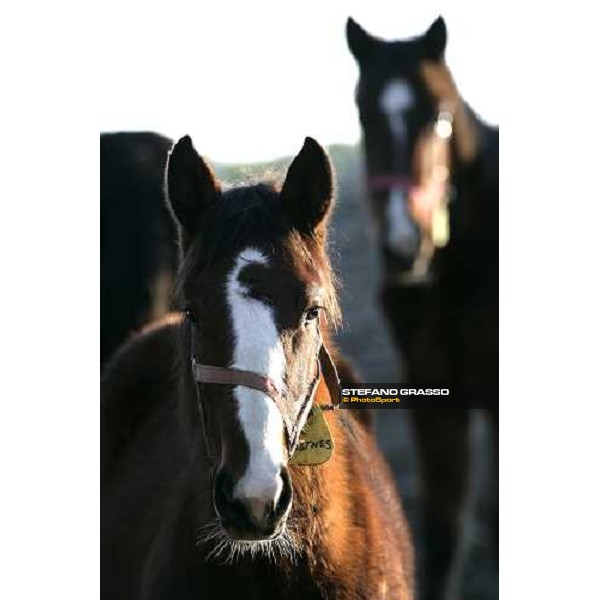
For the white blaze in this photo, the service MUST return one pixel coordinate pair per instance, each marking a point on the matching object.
(401, 231)
(257, 348)
(395, 99)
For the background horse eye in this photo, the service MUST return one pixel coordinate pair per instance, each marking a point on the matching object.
(188, 311)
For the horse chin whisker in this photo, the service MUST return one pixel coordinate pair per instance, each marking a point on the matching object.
(221, 548)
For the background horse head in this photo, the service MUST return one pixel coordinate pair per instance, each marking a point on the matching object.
(257, 284)
(407, 120)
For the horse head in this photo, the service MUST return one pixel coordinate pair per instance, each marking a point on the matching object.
(407, 102)
(258, 290)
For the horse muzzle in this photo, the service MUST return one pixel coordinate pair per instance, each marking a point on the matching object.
(252, 518)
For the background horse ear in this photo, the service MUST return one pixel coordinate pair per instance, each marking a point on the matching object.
(191, 185)
(307, 193)
(361, 44)
(434, 40)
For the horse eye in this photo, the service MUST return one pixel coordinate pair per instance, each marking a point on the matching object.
(312, 313)
(189, 314)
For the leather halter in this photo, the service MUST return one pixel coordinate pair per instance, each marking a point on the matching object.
(386, 182)
(230, 376)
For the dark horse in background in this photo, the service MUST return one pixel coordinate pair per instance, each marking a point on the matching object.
(138, 240)
(432, 176)
(202, 491)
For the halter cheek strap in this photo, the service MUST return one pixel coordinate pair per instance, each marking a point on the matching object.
(230, 376)
(331, 377)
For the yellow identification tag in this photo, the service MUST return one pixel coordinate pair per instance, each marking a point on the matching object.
(440, 225)
(316, 444)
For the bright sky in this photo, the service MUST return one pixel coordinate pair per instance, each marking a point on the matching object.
(249, 80)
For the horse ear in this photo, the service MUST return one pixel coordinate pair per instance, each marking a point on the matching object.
(307, 193)
(434, 40)
(192, 188)
(361, 43)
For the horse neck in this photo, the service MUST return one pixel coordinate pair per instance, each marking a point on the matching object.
(466, 143)
(322, 497)
(340, 518)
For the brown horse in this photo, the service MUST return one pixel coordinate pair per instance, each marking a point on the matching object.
(432, 176)
(202, 489)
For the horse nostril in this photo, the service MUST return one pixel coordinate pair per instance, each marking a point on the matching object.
(270, 510)
(227, 490)
(285, 497)
(223, 493)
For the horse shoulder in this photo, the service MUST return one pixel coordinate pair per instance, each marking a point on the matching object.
(358, 488)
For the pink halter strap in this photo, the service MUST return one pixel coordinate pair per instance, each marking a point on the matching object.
(383, 182)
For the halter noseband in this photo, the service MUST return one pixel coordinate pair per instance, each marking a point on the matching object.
(230, 376)
(385, 182)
